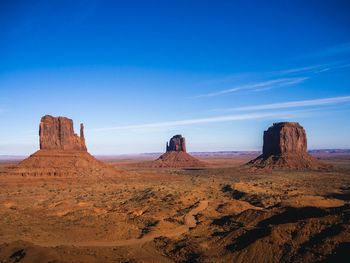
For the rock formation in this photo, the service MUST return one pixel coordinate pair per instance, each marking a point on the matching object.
(177, 143)
(283, 138)
(57, 133)
(285, 147)
(176, 155)
(62, 153)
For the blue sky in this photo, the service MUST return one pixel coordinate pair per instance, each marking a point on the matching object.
(137, 72)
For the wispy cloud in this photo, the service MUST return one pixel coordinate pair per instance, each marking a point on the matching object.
(340, 49)
(297, 74)
(224, 79)
(216, 119)
(307, 69)
(263, 85)
(332, 51)
(291, 104)
(344, 66)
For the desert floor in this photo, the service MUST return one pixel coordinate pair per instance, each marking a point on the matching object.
(221, 213)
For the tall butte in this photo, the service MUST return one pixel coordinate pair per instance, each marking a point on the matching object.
(285, 147)
(62, 152)
(176, 155)
(57, 133)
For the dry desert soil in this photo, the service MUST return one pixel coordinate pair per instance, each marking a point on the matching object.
(220, 213)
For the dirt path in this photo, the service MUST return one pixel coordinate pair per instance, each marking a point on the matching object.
(190, 222)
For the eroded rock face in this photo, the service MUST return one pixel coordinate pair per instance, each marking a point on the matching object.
(57, 133)
(284, 138)
(62, 153)
(177, 143)
(176, 155)
(285, 147)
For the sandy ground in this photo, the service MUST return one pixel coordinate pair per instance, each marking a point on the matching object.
(222, 213)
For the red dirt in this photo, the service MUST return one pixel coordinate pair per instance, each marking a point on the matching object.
(61, 163)
(175, 159)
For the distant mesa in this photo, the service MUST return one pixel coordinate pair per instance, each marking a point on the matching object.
(177, 143)
(62, 152)
(285, 147)
(176, 155)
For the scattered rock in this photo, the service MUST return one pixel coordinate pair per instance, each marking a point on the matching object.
(18, 255)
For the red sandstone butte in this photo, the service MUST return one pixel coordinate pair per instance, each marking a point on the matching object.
(177, 143)
(57, 133)
(285, 147)
(176, 155)
(62, 153)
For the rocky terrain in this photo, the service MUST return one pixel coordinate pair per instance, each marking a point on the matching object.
(285, 147)
(63, 205)
(220, 213)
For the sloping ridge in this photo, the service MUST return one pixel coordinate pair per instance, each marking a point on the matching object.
(298, 161)
(175, 159)
(61, 163)
(285, 147)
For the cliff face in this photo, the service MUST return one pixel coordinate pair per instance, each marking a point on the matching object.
(176, 155)
(285, 147)
(283, 138)
(62, 153)
(57, 133)
(177, 143)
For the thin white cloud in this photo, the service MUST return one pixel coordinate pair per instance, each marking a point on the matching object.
(270, 84)
(224, 79)
(344, 66)
(302, 69)
(332, 51)
(216, 119)
(291, 104)
(311, 69)
(323, 70)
